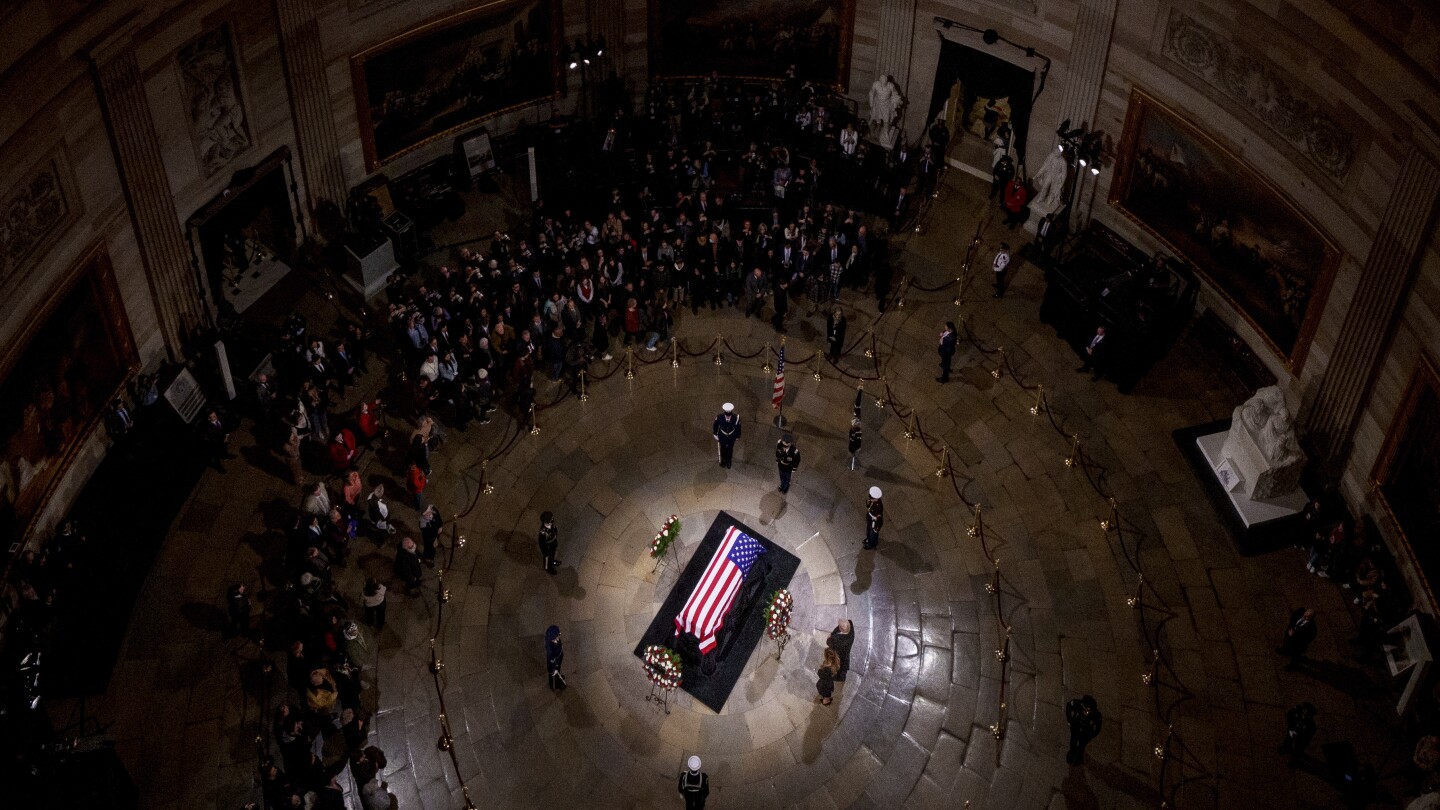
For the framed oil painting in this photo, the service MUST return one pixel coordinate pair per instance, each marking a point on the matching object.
(1406, 476)
(1240, 232)
(55, 382)
(753, 39)
(450, 73)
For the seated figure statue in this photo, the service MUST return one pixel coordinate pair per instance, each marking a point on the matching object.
(1262, 445)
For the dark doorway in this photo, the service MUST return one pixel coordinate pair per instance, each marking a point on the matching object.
(246, 235)
(982, 78)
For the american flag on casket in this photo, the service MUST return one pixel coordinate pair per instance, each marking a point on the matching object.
(705, 610)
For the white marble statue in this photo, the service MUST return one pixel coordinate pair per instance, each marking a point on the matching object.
(886, 102)
(1049, 184)
(1262, 444)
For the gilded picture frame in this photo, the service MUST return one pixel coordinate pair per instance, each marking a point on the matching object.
(55, 382)
(1244, 236)
(451, 73)
(1407, 471)
(754, 39)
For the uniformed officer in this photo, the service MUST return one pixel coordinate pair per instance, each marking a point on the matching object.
(787, 458)
(857, 435)
(549, 542)
(726, 431)
(874, 518)
(694, 785)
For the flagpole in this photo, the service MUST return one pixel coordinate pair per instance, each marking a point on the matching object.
(780, 404)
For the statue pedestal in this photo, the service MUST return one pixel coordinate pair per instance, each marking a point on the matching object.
(1251, 511)
(1262, 479)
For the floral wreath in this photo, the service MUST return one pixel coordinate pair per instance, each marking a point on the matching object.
(777, 613)
(662, 666)
(667, 534)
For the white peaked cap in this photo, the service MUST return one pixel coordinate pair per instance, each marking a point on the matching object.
(728, 407)
(693, 763)
(874, 492)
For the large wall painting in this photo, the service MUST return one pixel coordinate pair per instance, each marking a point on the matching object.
(450, 73)
(34, 214)
(211, 89)
(54, 385)
(1245, 238)
(1407, 472)
(753, 38)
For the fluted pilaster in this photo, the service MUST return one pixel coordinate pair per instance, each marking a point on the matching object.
(171, 277)
(1374, 308)
(310, 101)
(1089, 53)
(895, 40)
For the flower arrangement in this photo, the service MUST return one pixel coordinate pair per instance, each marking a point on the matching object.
(777, 613)
(662, 666)
(667, 534)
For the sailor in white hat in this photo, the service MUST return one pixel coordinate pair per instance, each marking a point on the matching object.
(874, 517)
(726, 431)
(694, 785)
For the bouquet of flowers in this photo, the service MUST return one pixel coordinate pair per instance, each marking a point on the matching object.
(668, 532)
(662, 666)
(777, 613)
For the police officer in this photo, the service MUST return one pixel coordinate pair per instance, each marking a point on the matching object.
(857, 435)
(787, 458)
(726, 431)
(1084, 718)
(549, 542)
(694, 785)
(874, 518)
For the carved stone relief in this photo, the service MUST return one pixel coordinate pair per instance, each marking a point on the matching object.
(211, 92)
(1263, 89)
(33, 214)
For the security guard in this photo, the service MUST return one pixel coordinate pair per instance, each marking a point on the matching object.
(787, 458)
(874, 518)
(549, 542)
(726, 431)
(694, 785)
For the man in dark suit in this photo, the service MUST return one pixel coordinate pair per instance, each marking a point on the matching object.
(1083, 715)
(901, 210)
(927, 171)
(118, 421)
(1097, 355)
(835, 334)
(214, 435)
(1298, 635)
(947, 351)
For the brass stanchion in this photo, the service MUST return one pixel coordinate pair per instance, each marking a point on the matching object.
(1113, 520)
(944, 469)
(869, 348)
(767, 368)
(1074, 450)
(911, 430)
(1134, 601)
(534, 425)
(977, 528)
(1152, 677)
(675, 353)
(959, 286)
(993, 586)
(629, 362)
(488, 488)
(584, 397)
(1039, 401)
(719, 341)
(817, 367)
(995, 372)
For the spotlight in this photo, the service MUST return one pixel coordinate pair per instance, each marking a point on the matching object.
(1095, 170)
(1060, 147)
(600, 46)
(1083, 163)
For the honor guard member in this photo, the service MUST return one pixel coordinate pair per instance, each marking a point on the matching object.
(787, 458)
(857, 435)
(726, 431)
(874, 518)
(694, 785)
(549, 542)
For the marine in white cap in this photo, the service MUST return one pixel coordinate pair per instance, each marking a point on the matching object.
(726, 431)
(874, 518)
(694, 785)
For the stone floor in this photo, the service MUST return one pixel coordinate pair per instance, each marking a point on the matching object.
(912, 727)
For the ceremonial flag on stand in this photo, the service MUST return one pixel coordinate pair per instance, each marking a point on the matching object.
(704, 612)
(779, 396)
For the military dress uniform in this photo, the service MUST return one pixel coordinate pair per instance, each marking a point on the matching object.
(857, 435)
(549, 542)
(787, 458)
(694, 785)
(726, 431)
(874, 518)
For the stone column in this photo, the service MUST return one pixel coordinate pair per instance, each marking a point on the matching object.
(894, 42)
(1374, 308)
(173, 281)
(1089, 53)
(310, 101)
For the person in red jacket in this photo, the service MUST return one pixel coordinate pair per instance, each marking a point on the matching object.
(368, 420)
(416, 481)
(1016, 197)
(343, 450)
